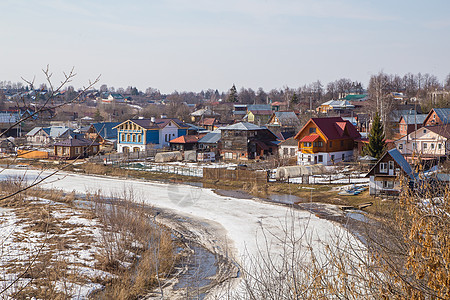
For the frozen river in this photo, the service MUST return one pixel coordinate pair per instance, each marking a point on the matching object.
(235, 224)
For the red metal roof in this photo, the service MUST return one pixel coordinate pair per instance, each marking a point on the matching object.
(187, 139)
(334, 128)
(310, 138)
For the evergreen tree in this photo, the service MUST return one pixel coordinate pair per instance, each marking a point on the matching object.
(294, 99)
(377, 143)
(232, 95)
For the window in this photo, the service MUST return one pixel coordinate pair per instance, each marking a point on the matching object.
(342, 143)
(439, 146)
(128, 138)
(343, 156)
(307, 144)
(432, 145)
(285, 151)
(134, 138)
(228, 155)
(94, 149)
(383, 167)
(425, 146)
(388, 184)
(320, 144)
(320, 158)
(122, 137)
(315, 144)
(292, 151)
(424, 131)
(77, 150)
(391, 165)
(400, 146)
(331, 144)
(312, 130)
(414, 145)
(332, 157)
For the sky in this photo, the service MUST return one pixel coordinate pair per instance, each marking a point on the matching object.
(194, 45)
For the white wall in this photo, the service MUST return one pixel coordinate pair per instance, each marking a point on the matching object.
(302, 158)
(170, 129)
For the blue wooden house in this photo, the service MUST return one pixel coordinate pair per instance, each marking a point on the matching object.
(142, 134)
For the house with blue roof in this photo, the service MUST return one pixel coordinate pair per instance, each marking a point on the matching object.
(103, 132)
(390, 174)
(136, 135)
(437, 116)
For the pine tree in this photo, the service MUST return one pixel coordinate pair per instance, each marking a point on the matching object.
(232, 95)
(294, 99)
(377, 143)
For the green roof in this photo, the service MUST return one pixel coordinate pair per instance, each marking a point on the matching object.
(355, 97)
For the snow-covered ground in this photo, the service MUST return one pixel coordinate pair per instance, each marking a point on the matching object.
(238, 223)
(21, 244)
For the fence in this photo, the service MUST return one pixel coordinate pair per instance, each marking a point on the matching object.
(235, 175)
(111, 158)
(163, 168)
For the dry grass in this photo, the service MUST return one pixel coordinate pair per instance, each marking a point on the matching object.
(136, 252)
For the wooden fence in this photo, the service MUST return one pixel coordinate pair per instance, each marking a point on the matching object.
(111, 158)
(235, 175)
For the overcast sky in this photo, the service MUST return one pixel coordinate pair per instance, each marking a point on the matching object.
(190, 45)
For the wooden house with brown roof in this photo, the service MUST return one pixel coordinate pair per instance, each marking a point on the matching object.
(73, 148)
(326, 141)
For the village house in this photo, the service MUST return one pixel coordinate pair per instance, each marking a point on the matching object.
(186, 142)
(209, 146)
(7, 121)
(201, 114)
(259, 115)
(283, 120)
(210, 124)
(437, 116)
(384, 175)
(242, 141)
(336, 106)
(73, 148)
(326, 141)
(409, 123)
(142, 134)
(288, 148)
(44, 136)
(112, 98)
(104, 133)
(427, 143)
